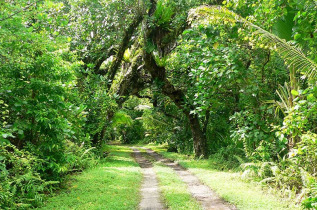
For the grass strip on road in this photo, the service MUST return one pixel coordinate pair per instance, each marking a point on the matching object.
(174, 190)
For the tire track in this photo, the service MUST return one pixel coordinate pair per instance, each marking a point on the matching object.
(202, 193)
(149, 190)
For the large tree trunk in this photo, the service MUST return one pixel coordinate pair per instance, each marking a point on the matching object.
(199, 138)
(158, 73)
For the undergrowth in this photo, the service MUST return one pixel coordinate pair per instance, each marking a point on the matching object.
(22, 181)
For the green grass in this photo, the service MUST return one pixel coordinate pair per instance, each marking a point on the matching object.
(228, 185)
(174, 191)
(113, 184)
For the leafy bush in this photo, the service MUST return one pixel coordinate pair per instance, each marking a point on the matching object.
(305, 153)
(258, 142)
(227, 158)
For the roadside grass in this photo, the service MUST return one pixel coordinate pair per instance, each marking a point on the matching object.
(113, 184)
(229, 185)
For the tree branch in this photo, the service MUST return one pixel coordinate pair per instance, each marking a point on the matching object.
(139, 96)
(122, 48)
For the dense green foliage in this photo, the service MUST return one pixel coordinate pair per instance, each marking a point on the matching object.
(235, 82)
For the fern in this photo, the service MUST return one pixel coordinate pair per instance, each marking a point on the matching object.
(163, 13)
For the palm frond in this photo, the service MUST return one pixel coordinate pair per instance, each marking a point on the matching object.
(285, 102)
(284, 93)
(121, 118)
(293, 56)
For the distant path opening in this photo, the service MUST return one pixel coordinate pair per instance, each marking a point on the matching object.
(202, 193)
(149, 189)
